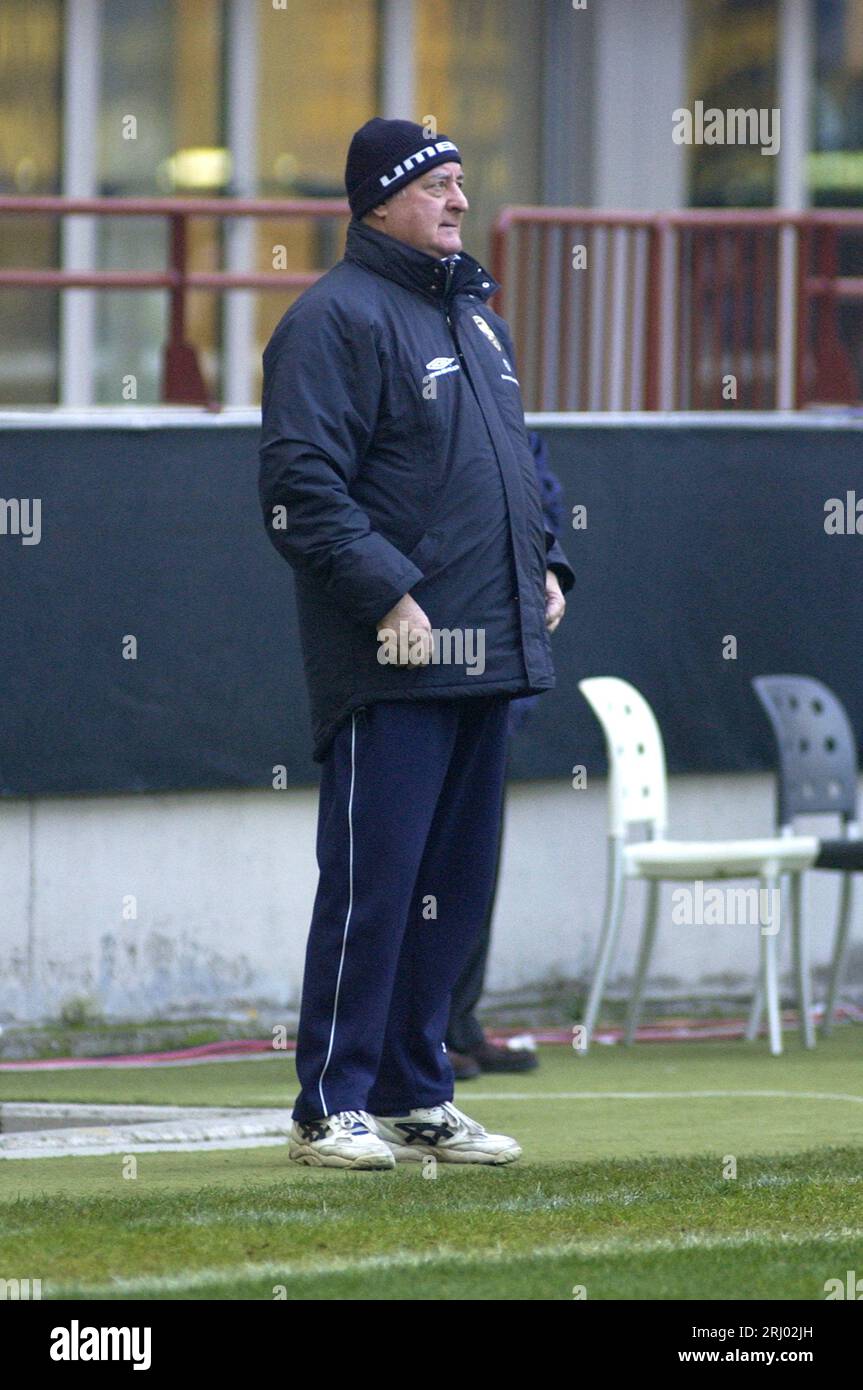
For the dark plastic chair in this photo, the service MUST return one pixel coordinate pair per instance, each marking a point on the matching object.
(817, 775)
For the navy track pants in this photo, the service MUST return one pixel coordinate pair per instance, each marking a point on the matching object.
(410, 805)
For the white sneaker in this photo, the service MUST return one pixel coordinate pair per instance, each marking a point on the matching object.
(445, 1132)
(346, 1140)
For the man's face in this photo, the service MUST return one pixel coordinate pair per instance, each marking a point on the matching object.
(427, 212)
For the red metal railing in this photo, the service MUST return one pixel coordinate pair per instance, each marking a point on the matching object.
(678, 310)
(681, 310)
(182, 379)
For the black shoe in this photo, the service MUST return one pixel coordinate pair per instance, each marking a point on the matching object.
(464, 1068)
(493, 1057)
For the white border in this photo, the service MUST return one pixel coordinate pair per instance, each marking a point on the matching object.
(194, 417)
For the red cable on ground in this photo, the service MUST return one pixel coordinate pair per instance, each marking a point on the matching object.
(683, 1030)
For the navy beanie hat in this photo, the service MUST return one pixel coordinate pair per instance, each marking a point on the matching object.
(385, 155)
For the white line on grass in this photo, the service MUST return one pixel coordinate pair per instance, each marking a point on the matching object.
(663, 1095)
(283, 1273)
(154, 1146)
(120, 1144)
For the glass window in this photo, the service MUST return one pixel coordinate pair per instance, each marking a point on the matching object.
(160, 71)
(478, 73)
(30, 74)
(835, 166)
(836, 162)
(160, 133)
(732, 65)
(318, 82)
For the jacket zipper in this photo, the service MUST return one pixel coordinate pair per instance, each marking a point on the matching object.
(450, 268)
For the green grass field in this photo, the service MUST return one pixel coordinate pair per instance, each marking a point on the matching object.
(621, 1190)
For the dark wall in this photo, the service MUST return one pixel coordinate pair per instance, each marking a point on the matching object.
(697, 532)
(693, 533)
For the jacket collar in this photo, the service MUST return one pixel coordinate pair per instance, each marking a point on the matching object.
(436, 279)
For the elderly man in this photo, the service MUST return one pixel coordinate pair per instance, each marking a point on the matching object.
(397, 480)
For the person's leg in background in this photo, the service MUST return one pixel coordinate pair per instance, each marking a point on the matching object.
(448, 907)
(464, 1030)
(469, 1050)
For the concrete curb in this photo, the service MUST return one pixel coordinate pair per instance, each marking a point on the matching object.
(33, 1129)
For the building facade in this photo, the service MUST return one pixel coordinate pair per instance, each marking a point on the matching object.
(563, 102)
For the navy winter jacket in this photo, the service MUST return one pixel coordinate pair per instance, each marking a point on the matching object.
(551, 497)
(394, 459)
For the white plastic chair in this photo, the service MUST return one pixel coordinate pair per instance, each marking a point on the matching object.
(637, 794)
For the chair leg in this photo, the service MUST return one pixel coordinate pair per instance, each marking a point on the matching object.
(755, 1010)
(757, 1006)
(840, 950)
(647, 938)
(800, 946)
(770, 979)
(608, 937)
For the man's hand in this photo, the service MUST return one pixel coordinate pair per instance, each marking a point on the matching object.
(407, 625)
(555, 603)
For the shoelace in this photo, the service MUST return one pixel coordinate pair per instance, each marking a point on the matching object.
(348, 1118)
(460, 1118)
